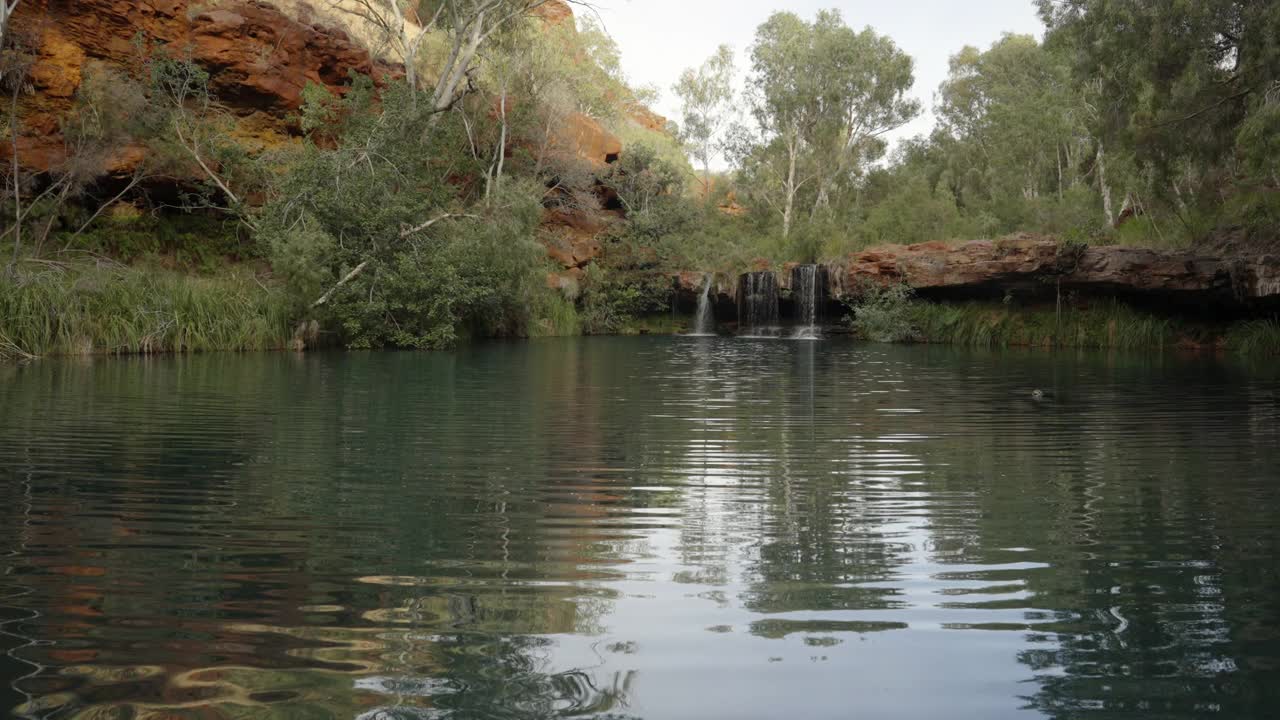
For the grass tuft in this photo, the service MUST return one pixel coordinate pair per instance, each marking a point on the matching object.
(1106, 325)
(1255, 337)
(88, 309)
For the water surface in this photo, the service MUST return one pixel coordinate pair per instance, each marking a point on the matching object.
(643, 528)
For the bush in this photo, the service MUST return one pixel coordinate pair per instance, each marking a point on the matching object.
(382, 201)
(613, 301)
(882, 313)
(194, 242)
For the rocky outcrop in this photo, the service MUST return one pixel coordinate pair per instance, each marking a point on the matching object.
(259, 59)
(260, 56)
(572, 237)
(687, 288)
(582, 136)
(1030, 267)
(555, 12)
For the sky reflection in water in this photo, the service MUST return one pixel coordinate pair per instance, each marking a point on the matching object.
(646, 527)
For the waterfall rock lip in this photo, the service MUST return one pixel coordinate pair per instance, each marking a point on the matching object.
(761, 304)
(1038, 268)
(758, 303)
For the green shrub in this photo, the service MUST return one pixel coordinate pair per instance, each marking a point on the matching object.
(612, 302)
(882, 313)
(194, 242)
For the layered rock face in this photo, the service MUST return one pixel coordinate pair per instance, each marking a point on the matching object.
(260, 56)
(259, 59)
(1032, 267)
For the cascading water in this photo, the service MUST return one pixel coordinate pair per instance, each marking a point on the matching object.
(807, 285)
(704, 323)
(758, 304)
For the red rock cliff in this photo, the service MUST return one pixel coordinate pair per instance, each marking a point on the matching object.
(259, 58)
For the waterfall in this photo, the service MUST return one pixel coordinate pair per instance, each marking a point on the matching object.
(758, 304)
(807, 289)
(705, 321)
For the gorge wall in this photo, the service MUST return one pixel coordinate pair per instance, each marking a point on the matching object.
(260, 56)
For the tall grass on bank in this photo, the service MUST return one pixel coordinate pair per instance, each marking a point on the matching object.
(1106, 325)
(1255, 338)
(83, 309)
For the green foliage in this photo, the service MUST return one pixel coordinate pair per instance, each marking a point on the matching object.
(883, 313)
(194, 242)
(644, 181)
(86, 309)
(1187, 90)
(910, 212)
(383, 200)
(555, 315)
(1106, 325)
(663, 146)
(612, 301)
(1255, 338)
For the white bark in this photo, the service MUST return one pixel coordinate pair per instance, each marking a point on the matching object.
(6, 11)
(1107, 207)
(790, 186)
(349, 277)
(1057, 155)
(494, 181)
(465, 46)
(388, 16)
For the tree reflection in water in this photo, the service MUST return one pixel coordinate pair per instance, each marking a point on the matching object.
(639, 527)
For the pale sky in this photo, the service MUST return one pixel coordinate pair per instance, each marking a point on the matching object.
(659, 38)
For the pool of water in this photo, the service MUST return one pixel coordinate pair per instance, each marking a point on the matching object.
(641, 528)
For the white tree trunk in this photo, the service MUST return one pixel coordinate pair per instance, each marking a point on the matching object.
(823, 200)
(1057, 154)
(1107, 207)
(464, 51)
(6, 12)
(494, 181)
(789, 205)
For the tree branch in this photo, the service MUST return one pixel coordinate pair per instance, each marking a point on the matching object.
(1198, 113)
(433, 221)
(349, 277)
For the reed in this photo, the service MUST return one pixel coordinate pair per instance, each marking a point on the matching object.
(1109, 325)
(86, 309)
(1255, 338)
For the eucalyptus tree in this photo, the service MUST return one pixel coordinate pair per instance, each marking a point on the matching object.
(864, 81)
(7, 8)
(706, 95)
(1019, 110)
(784, 93)
(401, 24)
(1192, 90)
(468, 25)
(821, 95)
